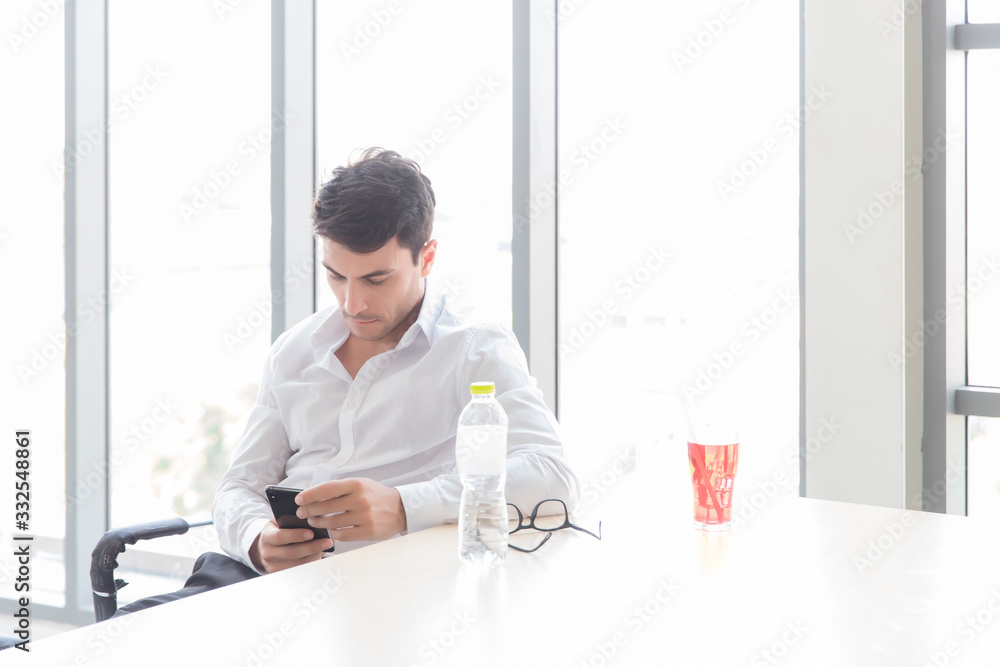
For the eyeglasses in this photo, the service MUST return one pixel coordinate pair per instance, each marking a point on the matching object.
(546, 513)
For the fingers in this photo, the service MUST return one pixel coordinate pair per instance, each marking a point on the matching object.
(282, 548)
(323, 507)
(296, 542)
(282, 557)
(357, 508)
(348, 526)
(302, 550)
(326, 490)
(353, 533)
(283, 536)
(336, 522)
(353, 494)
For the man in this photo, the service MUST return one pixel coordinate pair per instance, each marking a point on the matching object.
(359, 404)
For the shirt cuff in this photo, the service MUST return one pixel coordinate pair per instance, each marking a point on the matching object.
(253, 530)
(423, 503)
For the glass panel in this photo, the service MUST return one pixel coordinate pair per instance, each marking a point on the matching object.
(32, 278)
(983, 197)
(983, 11)
(678, 267)
(431, 81)
(984, 468)
(189, 257)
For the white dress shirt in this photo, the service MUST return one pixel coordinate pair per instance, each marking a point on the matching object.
(395, 422)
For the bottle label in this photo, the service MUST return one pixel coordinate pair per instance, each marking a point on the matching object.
(481, 450)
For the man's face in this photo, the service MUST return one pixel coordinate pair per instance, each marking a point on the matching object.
(377, 291)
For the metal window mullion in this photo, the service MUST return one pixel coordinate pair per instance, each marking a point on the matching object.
(293, 162)
(86, 217)
(534, 247)
(978, 401)
(803, 436)
(969, 36)
(944, 436)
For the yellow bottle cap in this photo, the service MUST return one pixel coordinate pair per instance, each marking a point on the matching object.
(482, 388)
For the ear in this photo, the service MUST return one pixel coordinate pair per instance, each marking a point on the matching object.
(427, 255)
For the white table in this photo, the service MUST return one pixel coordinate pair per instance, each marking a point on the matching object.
(790, 582)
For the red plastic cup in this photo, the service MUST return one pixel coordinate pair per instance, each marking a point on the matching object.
(713, 471)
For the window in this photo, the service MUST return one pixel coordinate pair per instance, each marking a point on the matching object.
(984, 468)
(678, 235)
(31, 272)
(433, 82)
(983, 11)
(189, 257)
(962, 377)
(983, 265)
(983, 247)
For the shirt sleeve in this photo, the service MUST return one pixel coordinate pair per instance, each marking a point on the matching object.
(240, 510)
(536, 469)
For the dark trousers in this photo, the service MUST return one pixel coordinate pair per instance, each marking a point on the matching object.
(211, 571)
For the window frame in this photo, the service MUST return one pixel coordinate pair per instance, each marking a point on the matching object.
(948, 398)
(86, 216)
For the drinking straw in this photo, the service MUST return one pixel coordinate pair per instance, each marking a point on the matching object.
(700, 466)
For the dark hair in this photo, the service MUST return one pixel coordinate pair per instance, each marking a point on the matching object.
(381, 196)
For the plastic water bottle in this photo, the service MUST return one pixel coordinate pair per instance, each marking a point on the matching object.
(481, 452)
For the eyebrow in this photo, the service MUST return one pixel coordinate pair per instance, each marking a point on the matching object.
(368, 276)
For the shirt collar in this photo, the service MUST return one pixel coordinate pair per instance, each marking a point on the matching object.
(332, 331)
(427, 318)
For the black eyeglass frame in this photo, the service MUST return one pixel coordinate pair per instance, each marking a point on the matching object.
(521, 525)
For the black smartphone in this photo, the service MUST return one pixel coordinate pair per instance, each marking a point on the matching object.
(282, 500)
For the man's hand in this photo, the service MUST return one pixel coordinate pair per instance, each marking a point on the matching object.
(353, 509)
(281, 548)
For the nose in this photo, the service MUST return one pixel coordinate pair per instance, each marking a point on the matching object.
(354, 298)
